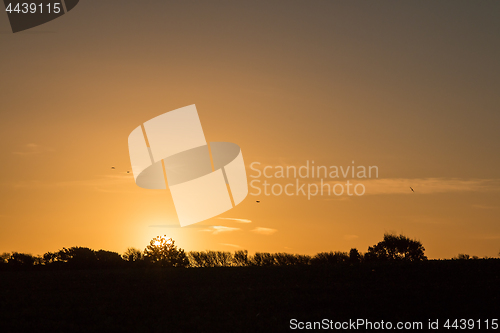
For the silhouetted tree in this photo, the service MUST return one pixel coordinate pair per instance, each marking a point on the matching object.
(225, 258)
(240, 258)
(77, 256)
(4, 257)
(163, 252)
(108, 258)
(462, 256)
(219, 258)
(132, 255)
(49, 258)
(287, 259)
(354, 256)
(38, 260)
(263, 259)
(302, 259)
(210, 259)
(330, 258)
(396, 248)
(195, 259)
(21, 259)
(284, 259)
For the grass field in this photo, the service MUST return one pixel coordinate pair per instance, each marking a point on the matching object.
(244, 299)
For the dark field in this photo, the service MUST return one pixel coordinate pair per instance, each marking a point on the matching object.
(244, 299)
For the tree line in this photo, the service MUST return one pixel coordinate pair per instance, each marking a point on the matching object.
(163, 252)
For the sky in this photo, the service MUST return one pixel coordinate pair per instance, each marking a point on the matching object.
(409, 87)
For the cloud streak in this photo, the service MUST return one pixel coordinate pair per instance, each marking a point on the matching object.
(217, 229)
(424, 185)
(264, 231)
(234, 219)
(178, 226)
(231, 245)
(32, 149)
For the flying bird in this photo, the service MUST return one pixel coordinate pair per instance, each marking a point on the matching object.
(258, 201)
(112, 168)
(128, 171)
(411, 189)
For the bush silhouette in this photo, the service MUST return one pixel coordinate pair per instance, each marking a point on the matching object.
(263, 259)
(49, 257)
(196, 259)
(240, 258)
(108, 258)
(21, 259)
(354, 256)
(224, 259)
(462, 256)
(4, 257)
(133, 255)
(163, 252)
(77, 256)
(211, 259)
(287, 259)
(396, 248)
(330, 258)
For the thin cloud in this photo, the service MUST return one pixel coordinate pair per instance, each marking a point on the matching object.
(32, 149)
(235, 219)
(422, 185)
(217, 229)
(264, 231)
(177, 226)
(231, 245)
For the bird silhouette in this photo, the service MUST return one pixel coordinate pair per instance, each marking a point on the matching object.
(112, 168)
(411, 189)
(258, 201)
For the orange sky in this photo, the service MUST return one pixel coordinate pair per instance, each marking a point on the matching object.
(409, 87)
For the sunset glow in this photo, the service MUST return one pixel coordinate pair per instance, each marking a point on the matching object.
(396, 105)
